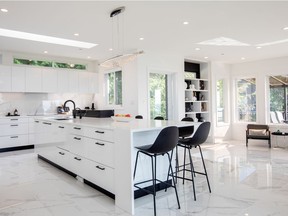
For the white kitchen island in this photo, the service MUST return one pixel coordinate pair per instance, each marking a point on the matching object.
(101, 151)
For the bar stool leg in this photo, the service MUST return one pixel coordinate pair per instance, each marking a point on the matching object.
(184, 165)
(204, 168)
(154, 186)
(135, 164)
(192, 173)
(173, 179)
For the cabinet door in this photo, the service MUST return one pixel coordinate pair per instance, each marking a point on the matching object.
(73, 81)
(33, 80)
(18, 81)
(93, 79)
(84, 82)
(5, 78)
(63, 81)
(49, 80)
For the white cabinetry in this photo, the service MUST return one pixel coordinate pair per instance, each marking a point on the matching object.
(33, 80)
(18, 79)
(49, 80)
(197, 99)
(14, 132)
(63, 80)
(5, 78)
(73, 79)
(89, 153)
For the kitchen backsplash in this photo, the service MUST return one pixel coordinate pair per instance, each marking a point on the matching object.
(41, 103)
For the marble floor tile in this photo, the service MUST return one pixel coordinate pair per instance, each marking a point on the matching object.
(249, 181)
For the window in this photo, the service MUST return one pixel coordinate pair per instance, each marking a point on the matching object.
(114, 87)
(246, 100)
(53, 64)
(278, 86)
(220, 101)
(158, 95)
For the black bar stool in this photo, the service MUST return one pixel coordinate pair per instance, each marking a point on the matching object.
(138, 117)
(164, 143)
(195, 141)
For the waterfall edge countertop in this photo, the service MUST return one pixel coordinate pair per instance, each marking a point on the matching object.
(108, 123)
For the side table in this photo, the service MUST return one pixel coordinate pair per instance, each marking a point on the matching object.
(282, 141)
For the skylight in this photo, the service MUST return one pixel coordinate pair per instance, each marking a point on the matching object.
(223, 41)
(45, 39)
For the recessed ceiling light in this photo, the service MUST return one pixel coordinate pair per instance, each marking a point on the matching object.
(197, 48)
(45, 52)
(242, 58)
(185, 23)
(76, 34)
(88, 57)
(141, 38)
(45, 39)
(4, 10)
(285, 28)
(258, 47)
(110, 49)
(205, 57)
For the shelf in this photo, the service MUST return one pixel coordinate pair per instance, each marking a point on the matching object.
(190, 101)
(196, 112)
(198, 90)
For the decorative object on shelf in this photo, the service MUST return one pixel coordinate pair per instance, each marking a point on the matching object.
(194, 98)
(202, 86)
(202, 97)
(192, 86)
(189, 75)
(195, 119)
(186, 85)
(203, 107)
(121, 58)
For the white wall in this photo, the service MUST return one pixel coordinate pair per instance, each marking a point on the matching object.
(260, 70)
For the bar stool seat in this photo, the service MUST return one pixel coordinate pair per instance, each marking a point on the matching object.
(165, 142)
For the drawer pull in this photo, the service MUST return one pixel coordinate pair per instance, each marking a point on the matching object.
(76, 128)
(77, 138)
(61, 153)
(15, 125)
(61, 127)
(14, 137)
(47, 123)
(100, 132)
(101, 168)
(101, 144)
(78, 159)
(36, 121)
(13, 119)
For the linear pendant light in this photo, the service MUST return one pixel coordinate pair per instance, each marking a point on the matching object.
(122, 58)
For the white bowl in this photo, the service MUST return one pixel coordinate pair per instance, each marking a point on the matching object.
(122, 119)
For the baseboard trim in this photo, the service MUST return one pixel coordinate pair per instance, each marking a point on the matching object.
(16, 148)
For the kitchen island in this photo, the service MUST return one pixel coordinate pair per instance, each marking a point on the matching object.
(100, 151)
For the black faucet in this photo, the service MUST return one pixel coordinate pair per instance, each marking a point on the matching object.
(74, 109)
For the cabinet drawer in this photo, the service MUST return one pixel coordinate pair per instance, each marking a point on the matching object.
(58, 156)
(99, 151)
(13, 141)
(12, 120)
(75, 144)
(100, 175)
(101, 134)
(14, 128)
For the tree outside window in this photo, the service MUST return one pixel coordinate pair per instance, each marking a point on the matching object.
(220, 101)
(114, 88)
(246, 100)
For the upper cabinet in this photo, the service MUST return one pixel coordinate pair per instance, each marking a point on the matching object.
(33, 79)
(49, 80)
(5, 78)
(46, 80)
(18, 79)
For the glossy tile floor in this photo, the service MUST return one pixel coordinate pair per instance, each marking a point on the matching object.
(248, 182)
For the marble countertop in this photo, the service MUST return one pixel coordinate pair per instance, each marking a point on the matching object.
(108, 123)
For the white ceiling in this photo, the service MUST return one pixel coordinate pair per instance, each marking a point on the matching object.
(159, 23)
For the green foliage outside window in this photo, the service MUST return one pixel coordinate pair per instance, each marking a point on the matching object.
(246, 100)
(158, 95)
(114, 84)
(48, 64)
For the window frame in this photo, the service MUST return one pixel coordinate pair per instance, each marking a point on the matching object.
(106, 75)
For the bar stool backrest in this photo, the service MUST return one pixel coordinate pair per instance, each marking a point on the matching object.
(158, 118)
(186, 131)
(201, 134)
(138, 117)
(166, 140)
